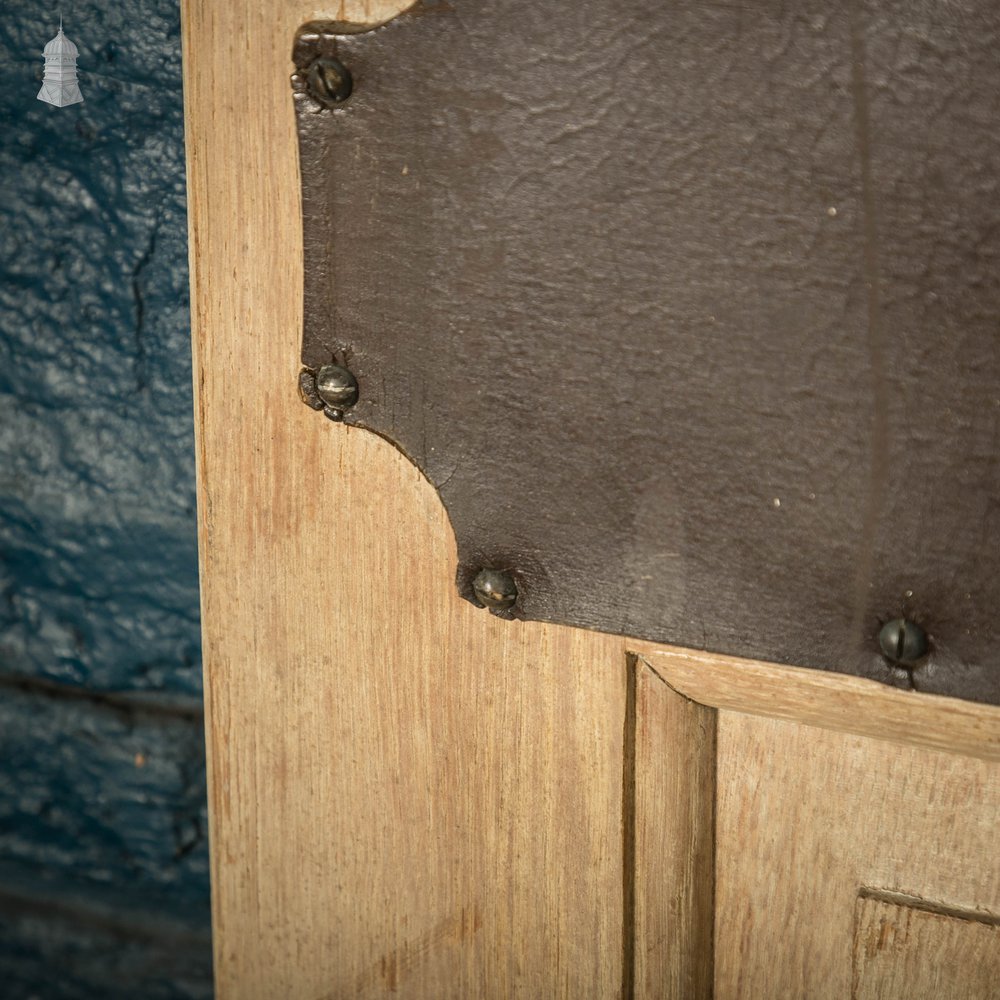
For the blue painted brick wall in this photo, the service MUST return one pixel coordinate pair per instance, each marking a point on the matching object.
(103, 857)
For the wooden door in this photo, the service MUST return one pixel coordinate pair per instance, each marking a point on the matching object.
(410, 796)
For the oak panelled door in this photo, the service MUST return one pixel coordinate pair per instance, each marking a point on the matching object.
(630, 628)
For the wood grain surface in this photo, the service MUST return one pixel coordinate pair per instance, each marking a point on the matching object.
(807, 818)
(915, 953)
(407, 794)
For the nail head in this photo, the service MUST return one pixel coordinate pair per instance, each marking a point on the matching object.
(903, 641)
(495, 589)
(329, 81)
(337, 387)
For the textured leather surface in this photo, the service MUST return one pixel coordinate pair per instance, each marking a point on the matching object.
(689, 311)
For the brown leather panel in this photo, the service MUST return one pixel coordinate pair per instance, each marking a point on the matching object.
(689, 311)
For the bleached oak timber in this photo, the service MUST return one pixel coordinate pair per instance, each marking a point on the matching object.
(808, 819)
(915, 952)
(406, 793)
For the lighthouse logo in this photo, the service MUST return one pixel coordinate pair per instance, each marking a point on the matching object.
(59, 86)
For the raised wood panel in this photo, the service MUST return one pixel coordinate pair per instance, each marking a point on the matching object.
(808, 818)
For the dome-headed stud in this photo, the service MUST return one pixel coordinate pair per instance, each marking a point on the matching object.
(338, 389)
(329, 81)
(495, 589)
(902, 641)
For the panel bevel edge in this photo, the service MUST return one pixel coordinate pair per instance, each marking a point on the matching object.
(840, 702)
(673, 855)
